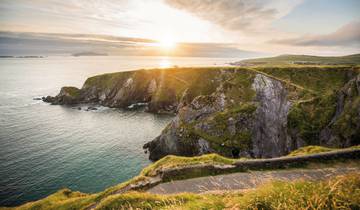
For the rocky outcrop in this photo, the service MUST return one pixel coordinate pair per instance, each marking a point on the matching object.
(67, 95)
(176, 138)
(343, 129)
(236, 112)
(119, 90)
(270, 138)
(257, 128)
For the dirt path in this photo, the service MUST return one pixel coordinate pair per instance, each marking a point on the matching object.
(246, 180)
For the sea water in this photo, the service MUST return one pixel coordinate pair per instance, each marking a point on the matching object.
(44, 148)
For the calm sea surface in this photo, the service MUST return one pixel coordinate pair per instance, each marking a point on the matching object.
(44, 148)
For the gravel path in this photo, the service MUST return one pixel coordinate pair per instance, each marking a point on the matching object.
(246, 180)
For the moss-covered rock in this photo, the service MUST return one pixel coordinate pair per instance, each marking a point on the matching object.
(252, 112)
(307, 118)
(67, 95)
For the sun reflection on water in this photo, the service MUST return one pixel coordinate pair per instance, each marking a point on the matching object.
(165, 63)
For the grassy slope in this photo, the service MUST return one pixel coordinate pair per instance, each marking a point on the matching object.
(285, 59)
(66, 199)
(171, 161)
(337, 193)
(308, 150)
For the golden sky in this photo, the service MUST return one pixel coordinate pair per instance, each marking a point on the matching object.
(270, 26)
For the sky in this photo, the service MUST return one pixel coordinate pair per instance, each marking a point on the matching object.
(231, 27)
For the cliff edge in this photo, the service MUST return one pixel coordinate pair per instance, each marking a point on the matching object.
(237, 112)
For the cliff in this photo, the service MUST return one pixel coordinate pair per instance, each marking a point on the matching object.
(311, 162)
(248, 112)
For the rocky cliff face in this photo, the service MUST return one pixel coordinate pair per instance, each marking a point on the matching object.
(270, 138)
(120, 90)
(236, 112)
(343, 129)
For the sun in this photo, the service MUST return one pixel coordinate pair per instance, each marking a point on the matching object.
(167, 43)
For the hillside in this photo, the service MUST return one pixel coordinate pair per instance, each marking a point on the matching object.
(235, 112)
(314, 187)
(302, 60)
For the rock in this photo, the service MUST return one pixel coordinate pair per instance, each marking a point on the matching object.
(48, 99)
(269, 134)
(91, 108)
(37, 98)
(137, 106)
(344, 128)
(67, 95)
(263, 112)
(264, 126)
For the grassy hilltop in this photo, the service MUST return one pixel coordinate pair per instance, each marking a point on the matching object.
(303, 59)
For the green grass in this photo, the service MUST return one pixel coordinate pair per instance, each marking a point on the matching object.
(340, 192)
(309, 150)
(312, 90)
(337, 193)
(172, 161)
(287, 59)
(72, 91)
(346, 124)
(310, 117)
(220, 137)
(66, 199)
(314, 79)
(63, 199)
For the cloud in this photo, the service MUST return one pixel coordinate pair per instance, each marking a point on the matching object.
(347, 35)
(242, 15)
(16, 43)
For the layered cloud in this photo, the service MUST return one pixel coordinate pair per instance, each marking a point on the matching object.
(348, 35)
(254, 25)
(12, 43)
(241, 15)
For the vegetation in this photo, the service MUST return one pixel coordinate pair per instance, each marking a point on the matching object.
(314, 79)
(221, 138)
(346, 126)
(341, 192)
(310, 117)
(63, 199)
(172, 161)
(304, 59)
(72, 91)
(337, 193)
(312, 91)
(267, 195)
(309, 150)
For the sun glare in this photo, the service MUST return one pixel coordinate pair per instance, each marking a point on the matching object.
(167, 43)
(165, 63)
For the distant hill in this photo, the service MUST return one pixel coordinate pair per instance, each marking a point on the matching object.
(89, 54)
(302, 60)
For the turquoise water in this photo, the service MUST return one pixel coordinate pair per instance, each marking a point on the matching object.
(45, 148)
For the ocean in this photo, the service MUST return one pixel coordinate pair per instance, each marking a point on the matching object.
(44, 148)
